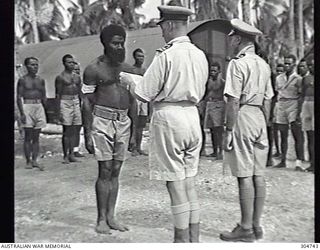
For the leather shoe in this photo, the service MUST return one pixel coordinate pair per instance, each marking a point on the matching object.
(78, 154)
(258, 232)
(238, 234)
(280, 165)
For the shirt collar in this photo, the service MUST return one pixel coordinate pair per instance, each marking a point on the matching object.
(247, 49)
(180, 39)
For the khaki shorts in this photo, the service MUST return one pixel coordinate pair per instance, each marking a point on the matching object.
(215, 113)
(175, 142)
(110, 138)
(35, 116)
(70, 112)
(250, 144)
(307, 116)
(287, 111)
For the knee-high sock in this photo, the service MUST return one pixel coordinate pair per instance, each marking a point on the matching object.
(246, 196)
(181, 215)
(259, 198)
(194, 212)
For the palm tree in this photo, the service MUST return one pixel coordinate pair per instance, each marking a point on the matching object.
(245, 4)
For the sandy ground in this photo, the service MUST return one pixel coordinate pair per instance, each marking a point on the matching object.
(58, 204)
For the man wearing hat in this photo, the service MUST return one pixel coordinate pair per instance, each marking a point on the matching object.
(249, 91)
(175, 82)
(105, 114)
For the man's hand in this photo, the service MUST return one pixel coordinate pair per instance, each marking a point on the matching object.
(23, 119)
(228, 141)
(89, 142)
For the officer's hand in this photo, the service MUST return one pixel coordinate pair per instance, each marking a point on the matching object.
(23, 119)
(228, 141)
(89, 143)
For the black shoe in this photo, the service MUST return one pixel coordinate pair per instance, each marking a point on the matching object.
(239, 234)
(269, 163)
(78, 154)
(277, 155)
(280, 165)
(72, 158)
(258, 232)
(299, 169)
(310, 169)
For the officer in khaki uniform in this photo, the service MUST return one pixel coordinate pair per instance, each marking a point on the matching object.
(176, 81)
(248, 91)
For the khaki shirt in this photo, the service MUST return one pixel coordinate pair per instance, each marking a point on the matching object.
(289, 88)
(178, 72)
(249, 78)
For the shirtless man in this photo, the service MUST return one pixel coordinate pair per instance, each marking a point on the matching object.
(142, 108)
(215, 109)
(31, 100)
(68, 87)
(105, 107)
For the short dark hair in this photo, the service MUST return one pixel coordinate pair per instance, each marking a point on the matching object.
(280, 65)
(65, 57)
(215, 64)
(136, 51)
(303, 61)
(27, 60)
(291, 56)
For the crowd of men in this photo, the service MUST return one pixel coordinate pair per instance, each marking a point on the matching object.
(186, 95)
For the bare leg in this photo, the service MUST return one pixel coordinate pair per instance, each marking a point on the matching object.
(103, 186)
(35, 144)
(284, 129)
(65, 143)
(112, 200)
(298, 140)
(276, 138)
(259, 198)
(27, 144)
(310, 137)
(214, 141)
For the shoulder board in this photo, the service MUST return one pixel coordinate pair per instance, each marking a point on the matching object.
(165, 47)
(240, 56)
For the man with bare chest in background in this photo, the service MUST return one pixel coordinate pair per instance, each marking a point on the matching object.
(68, 87)
(31, 100)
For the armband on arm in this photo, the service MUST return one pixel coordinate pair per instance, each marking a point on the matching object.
(88, 89)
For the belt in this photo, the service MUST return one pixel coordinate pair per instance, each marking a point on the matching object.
(69, 97)
(172, 104)
(283, 99)
(251, 105)
(210, 99)
(110, 114)
(31, 101)
(308, 98)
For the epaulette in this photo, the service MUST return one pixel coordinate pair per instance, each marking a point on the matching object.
(165, 47)
(240, 56)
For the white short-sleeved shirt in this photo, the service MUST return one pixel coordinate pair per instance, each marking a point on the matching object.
(249, 78)
(289, 88)
(178, 72)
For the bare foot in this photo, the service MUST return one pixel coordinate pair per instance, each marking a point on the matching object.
(117, 226)
(102, 228)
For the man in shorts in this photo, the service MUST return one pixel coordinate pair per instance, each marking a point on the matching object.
(31, 101)
(105, 107)
(76, 149)
(279, 70)
(142, 108)
(175, 81)
(289, 87)
(307, 111)
(215, 109)
(68, 89)
(249, 91)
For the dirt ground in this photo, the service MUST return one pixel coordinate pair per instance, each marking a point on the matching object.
(59, 205)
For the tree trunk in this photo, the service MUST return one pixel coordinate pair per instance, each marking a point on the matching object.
(246, 11)
(300, 29)
(162, 2)
(291, 35)
(34, 21)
